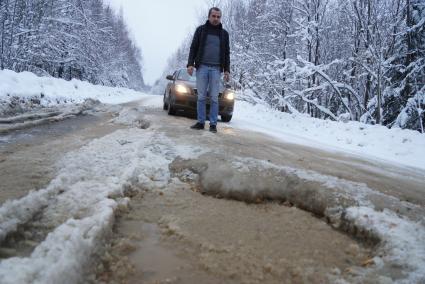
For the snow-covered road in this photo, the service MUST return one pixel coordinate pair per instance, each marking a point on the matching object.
(68, 221)
(364, 181)
(25, 91)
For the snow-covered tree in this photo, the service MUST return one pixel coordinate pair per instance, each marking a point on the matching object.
(69, 39)
(359, 59)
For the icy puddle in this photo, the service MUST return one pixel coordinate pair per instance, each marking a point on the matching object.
(181, 236)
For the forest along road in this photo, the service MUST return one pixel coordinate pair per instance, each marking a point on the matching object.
(236, 206)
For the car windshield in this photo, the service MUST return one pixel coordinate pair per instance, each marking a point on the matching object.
(184, 76)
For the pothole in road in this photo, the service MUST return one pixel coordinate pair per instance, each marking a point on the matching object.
(255, 181)
(178, 235)
(352, 208)
(181, 236)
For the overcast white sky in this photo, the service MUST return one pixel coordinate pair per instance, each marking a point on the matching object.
(159, 27)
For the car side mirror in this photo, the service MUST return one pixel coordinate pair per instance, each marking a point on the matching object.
(170, 77)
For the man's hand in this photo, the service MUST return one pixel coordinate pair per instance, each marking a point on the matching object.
(226, 76)
(190, 70)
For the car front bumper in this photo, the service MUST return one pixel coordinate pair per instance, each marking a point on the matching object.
(189, 103)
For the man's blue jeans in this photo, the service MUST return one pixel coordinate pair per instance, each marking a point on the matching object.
(208, 81)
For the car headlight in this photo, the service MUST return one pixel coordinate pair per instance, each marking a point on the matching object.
(230, 96)
(182, 89)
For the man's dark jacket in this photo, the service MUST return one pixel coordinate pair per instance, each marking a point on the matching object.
(198, 44)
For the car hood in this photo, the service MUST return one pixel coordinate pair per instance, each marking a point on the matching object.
(187, 83)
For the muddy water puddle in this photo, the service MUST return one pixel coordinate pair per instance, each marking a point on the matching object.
(157, 260)
(152, 256)
(181, 236)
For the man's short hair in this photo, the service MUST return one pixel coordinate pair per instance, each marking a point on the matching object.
(213, 9)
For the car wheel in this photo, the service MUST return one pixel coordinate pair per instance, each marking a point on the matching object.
(226, 118)
(165, 106)
(171, 109)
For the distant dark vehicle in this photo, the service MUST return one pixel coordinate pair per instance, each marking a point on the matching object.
(181, 94)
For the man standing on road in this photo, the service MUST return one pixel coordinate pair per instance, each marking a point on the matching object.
(210, 55)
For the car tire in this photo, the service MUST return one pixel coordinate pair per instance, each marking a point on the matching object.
(165, 106)
(171, 109)
(226, 118)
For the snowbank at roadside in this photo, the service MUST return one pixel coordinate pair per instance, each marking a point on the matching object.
(24, 91)
(398, 146)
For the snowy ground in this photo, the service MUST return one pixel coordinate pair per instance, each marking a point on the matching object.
(27, 100)
(398, 146)
(25, 91)
(79, 205)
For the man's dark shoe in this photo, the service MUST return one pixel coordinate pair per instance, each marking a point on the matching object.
(198, 126)
(213, 128)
